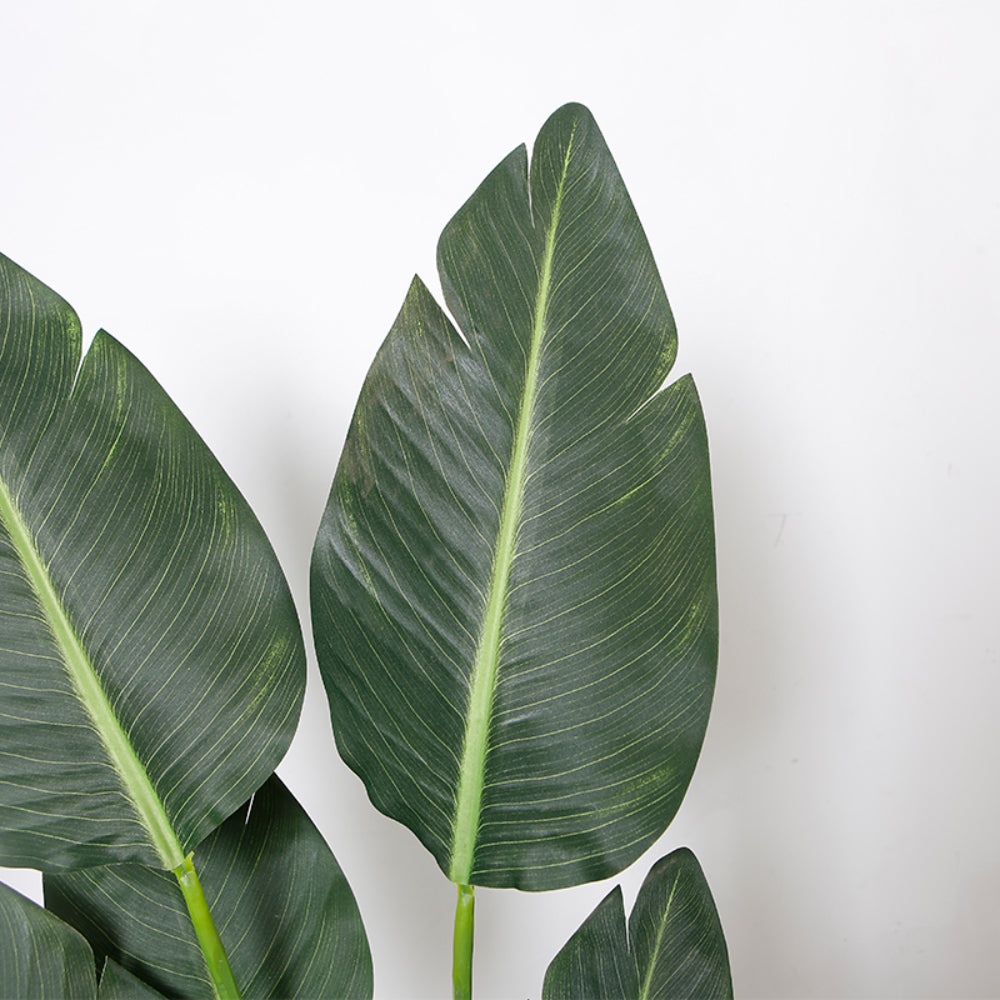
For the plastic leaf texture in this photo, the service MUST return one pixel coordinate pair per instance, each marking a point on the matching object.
(513, 585)
(40, 956)
(673, 949)
(285, 912)
(151, 662)
(117, 984)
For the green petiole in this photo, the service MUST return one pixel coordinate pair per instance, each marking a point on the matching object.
(216, 961)
(462, 961)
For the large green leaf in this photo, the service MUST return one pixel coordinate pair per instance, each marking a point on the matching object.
(673, 949)
(513, 586)
(284, 910)
(41, 957)
(151, 663)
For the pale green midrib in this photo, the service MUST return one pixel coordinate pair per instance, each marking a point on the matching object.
(468, 799)
(648, 978)
(88, 688)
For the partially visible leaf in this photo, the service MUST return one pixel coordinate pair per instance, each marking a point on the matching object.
(118, 984)
(151, 662)
(595, 962)
(513, 585)
(674, 948)
(676, 936)
(41, 957)
(284, 910)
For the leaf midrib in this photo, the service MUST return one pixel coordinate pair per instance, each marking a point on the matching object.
(86, 683)
(647, 980)
(468, 799)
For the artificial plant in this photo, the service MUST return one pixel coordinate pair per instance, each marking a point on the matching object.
(151, 661)
(513, 586)
(513, 600)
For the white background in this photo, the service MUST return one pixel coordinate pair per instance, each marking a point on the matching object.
(240, 192)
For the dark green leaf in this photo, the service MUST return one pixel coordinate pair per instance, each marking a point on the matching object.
(118, 984)
(41, 957)
(284, 910)
(676, 935)
(595, 962)
(513, 586)
(151, 663)
(674, 948)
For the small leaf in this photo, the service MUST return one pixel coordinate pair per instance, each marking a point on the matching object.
(284, 910)
(676, 936)
(674, 948)
(151, 665)
(595, 962)
(40, 956)
(513, 585)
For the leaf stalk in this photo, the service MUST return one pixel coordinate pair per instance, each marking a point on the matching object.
(216, 961)
(464, 926)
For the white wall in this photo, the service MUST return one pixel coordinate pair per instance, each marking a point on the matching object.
(241, 191)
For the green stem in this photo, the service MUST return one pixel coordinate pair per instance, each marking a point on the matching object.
(462, 965)
(216, 961)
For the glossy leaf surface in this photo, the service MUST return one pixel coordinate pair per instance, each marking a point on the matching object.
(673, 949)
(513, 586)
(284, 910)
(40, 956)
(151, 663)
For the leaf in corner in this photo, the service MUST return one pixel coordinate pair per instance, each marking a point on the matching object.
(284, 910)
(151, 662)
(40, 956)
(673, 949)
(596, 961)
